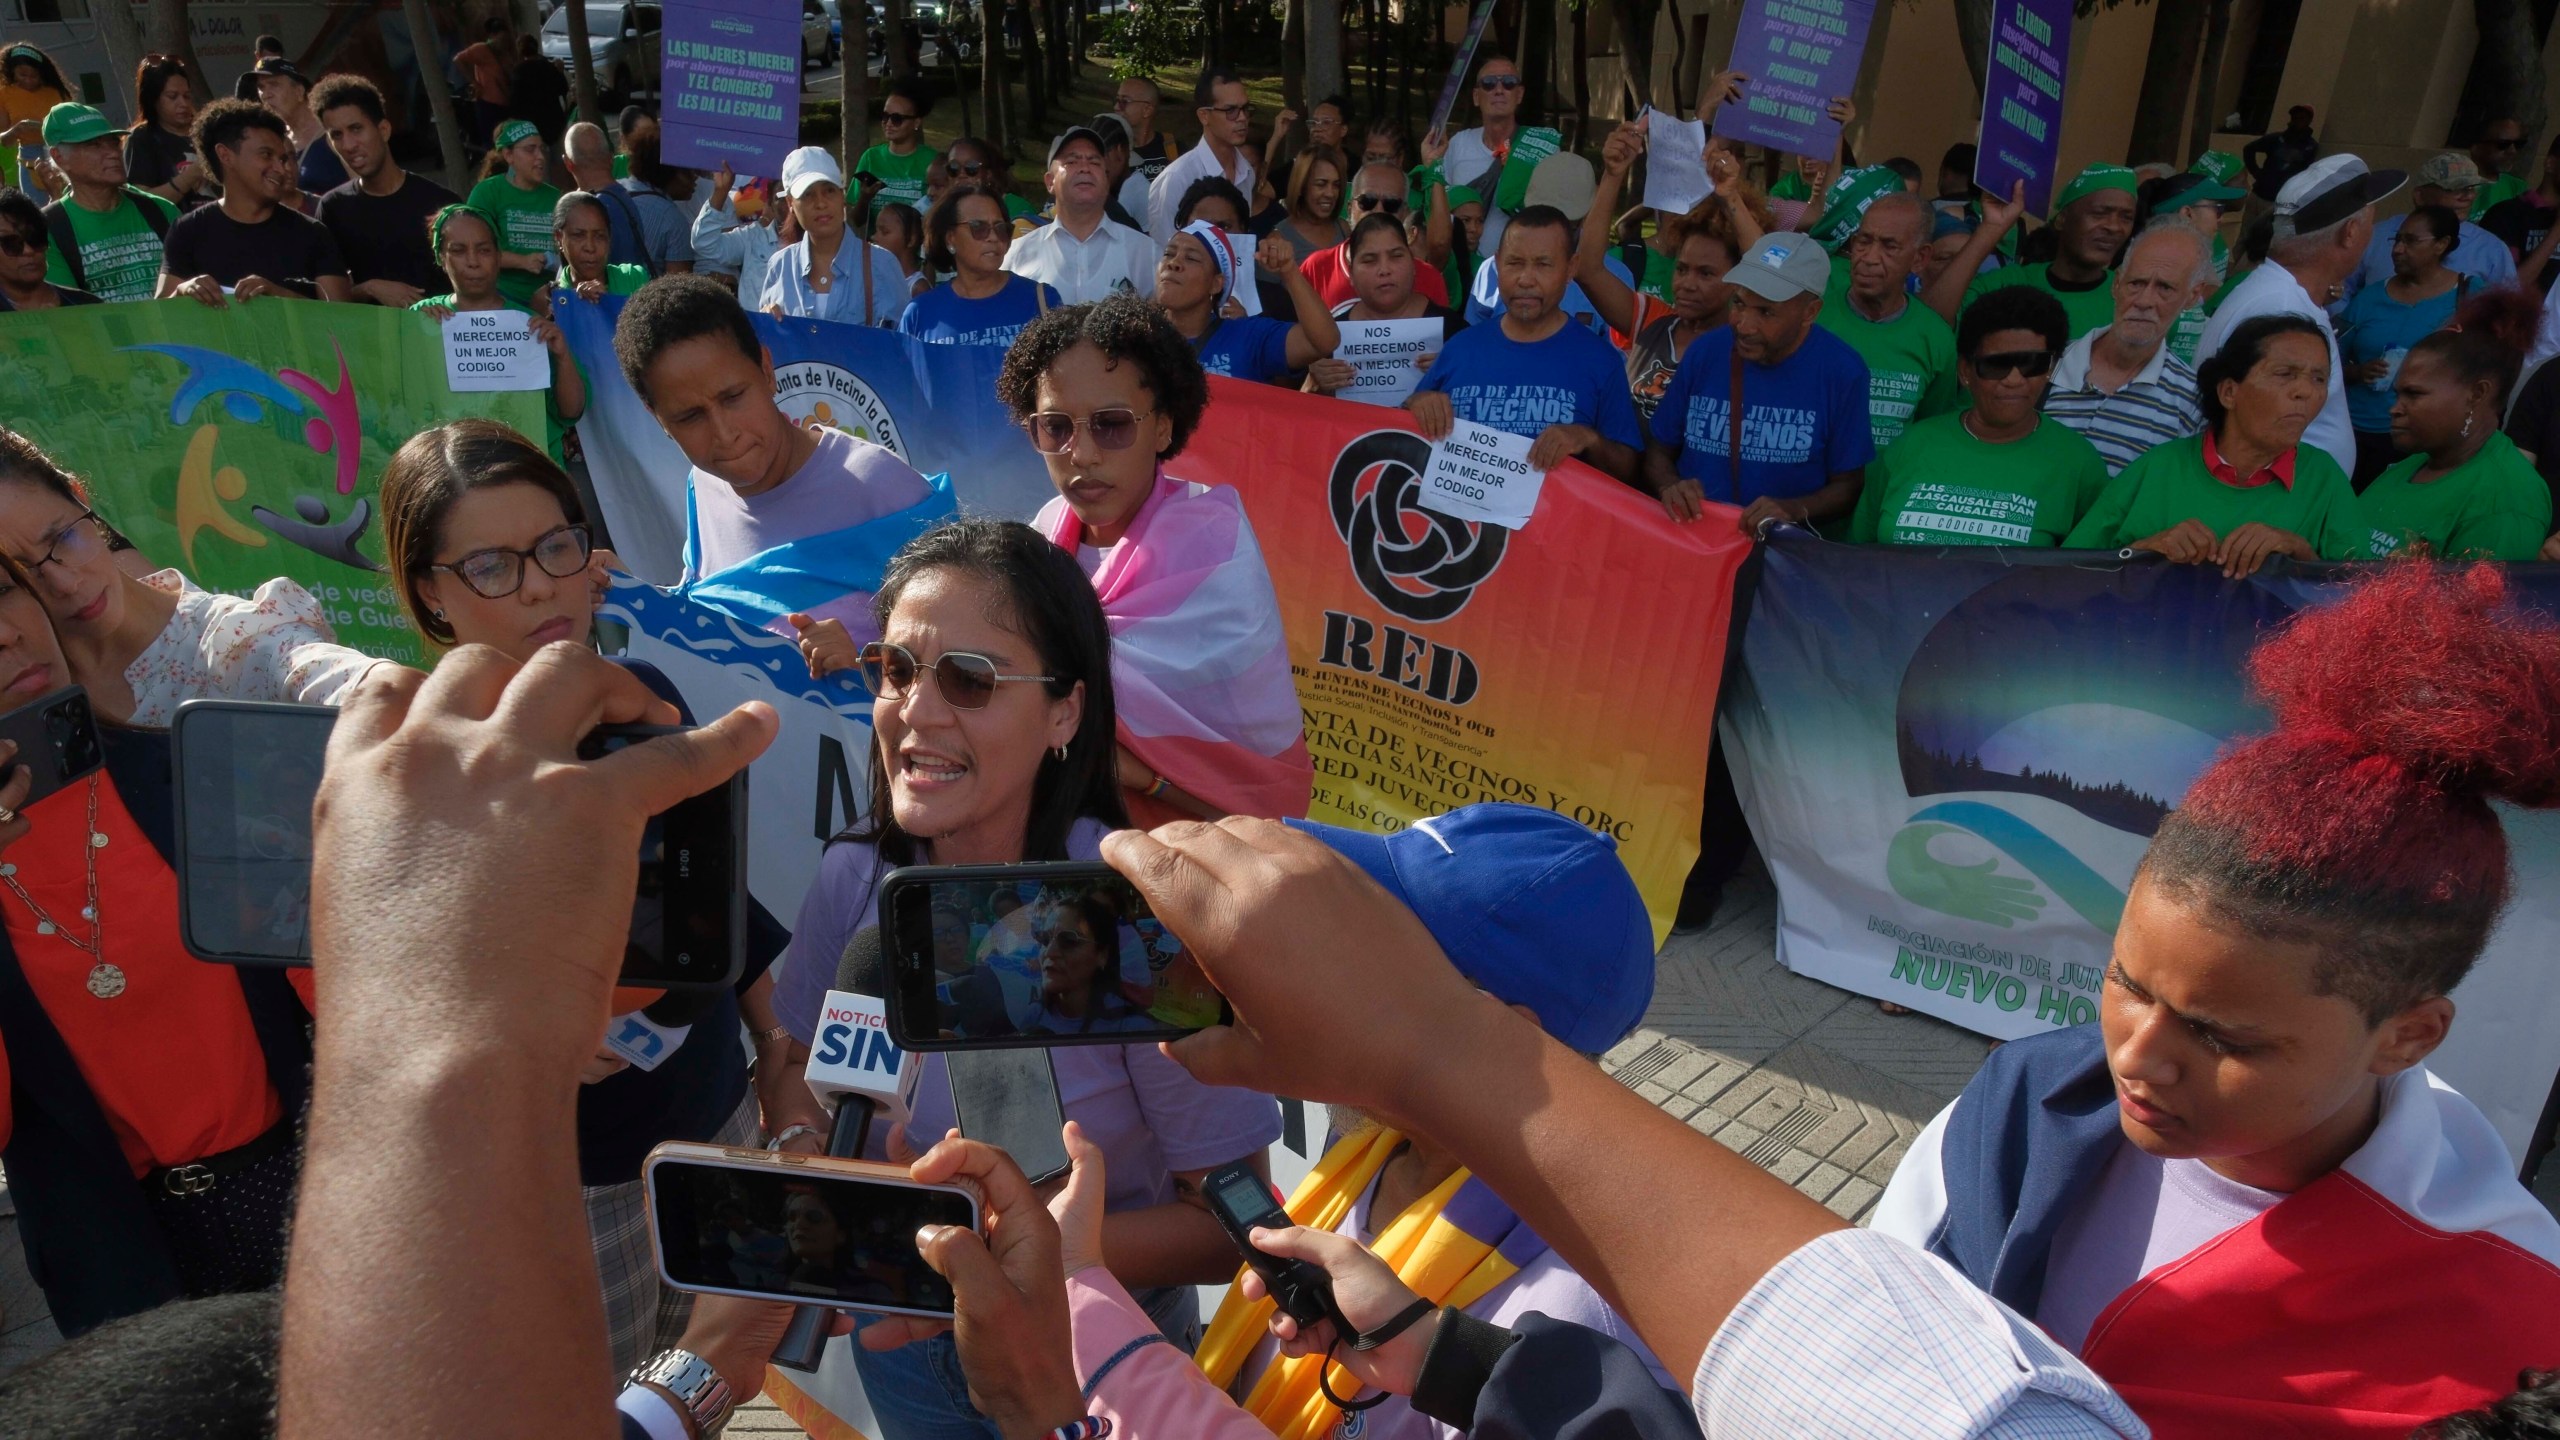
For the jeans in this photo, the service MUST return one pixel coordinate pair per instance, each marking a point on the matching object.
(918, 1393)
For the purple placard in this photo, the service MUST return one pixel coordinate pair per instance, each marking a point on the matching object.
(1799, 55)
(732, 80)
(2022, 99)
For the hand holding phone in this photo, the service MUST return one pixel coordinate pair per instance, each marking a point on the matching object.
(800, 1228)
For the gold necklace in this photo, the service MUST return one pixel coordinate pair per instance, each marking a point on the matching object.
(106, 981)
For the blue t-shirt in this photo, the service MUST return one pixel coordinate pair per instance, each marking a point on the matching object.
(1484, 295)
(1248, 347)
(1572, 377)
(2378, 327)
(943, 316)
(1804, 419)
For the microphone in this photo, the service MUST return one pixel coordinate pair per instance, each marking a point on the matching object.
(871, 1080)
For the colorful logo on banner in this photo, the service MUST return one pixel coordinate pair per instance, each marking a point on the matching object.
(814, 392)
(333, 428)
(1418, 564)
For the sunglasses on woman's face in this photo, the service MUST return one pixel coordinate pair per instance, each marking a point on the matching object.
(968, 167)
(967, 681)
(2030, 363)
(18, 246)
(983, 229)
(1052, 431)
(897, 117)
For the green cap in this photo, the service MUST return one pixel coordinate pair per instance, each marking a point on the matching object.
(2222, 165)
(73, 124)
(2093, 180)
(1846, 202)
(515, 132)
(1464, 195)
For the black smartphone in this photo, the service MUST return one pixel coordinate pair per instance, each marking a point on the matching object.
(1244, 1202)
(985, 957)
(1009, 1099)
(57, 740)
(247, 773)
(802, 1228)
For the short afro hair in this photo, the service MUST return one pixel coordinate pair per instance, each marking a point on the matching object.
(2013, 307)
(336, 90)
(1211, 187)
(1125, 329)
(671, 310)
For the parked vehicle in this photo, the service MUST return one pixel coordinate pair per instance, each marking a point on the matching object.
(622, 41)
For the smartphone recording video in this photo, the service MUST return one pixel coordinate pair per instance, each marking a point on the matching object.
(1000, 956)
(799, 1228)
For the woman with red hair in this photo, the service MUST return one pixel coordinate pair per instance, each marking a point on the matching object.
(2240, 1196)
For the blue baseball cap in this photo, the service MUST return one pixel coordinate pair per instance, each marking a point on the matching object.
(1533, 908)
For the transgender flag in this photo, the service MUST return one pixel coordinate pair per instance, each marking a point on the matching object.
(1199, 665)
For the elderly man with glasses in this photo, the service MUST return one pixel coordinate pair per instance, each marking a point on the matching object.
(1476, 157)
(1226, 117)
(1377, 190)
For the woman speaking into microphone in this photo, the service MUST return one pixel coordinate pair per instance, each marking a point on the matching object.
(492, 548)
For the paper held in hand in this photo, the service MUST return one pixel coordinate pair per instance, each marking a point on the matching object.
(1675, 170)
(1482, 474)
(1389, 356)
(494, 350)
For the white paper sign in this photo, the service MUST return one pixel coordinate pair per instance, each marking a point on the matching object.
(1675, 170)
(1390, 355)
(1482, 474)
(494, 350)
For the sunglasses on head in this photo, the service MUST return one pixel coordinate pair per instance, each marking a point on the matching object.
(16, 246)
(1052, 431)
(2030, 363)
(967, 681)
(1498, 82)
(1383, 204)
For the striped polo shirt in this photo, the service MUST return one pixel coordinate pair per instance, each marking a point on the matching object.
(2154, 407)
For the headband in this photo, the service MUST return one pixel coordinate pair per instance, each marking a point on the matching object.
(1221, 249)
(450, 213)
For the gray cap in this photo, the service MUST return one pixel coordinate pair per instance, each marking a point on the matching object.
(1782, 267)
(1073, 133)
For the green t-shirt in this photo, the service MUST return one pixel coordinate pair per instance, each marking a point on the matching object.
(524, 228)
(1791, 186)
(553, 426)
(2493, 506)
(2502, 188)
(1911, 361)
(2188, 333)
(2089, 309)
(2169, 483)
(119, 251)
(901, 176)
(1658, 270)
(618, 279)
(1939, 485)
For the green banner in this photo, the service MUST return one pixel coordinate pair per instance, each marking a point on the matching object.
(244, 443)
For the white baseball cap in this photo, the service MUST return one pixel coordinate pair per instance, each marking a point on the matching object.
(807, 166)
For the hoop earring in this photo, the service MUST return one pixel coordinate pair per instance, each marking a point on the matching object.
(1061, 753)
(438, 615)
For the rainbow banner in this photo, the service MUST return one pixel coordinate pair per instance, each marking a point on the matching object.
(1954, 759)
(244, 443)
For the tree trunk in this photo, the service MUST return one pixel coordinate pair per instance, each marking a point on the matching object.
(901, 23)
(1635, 20)
(422, 34)
(1973, 31)
(1537, 61)
(853, 128)
(2506, 72)
(1035, 68)
(2217, 41)
(991, 69)
(1293, 54)
(122, 38)
(950, 47)
(165, 32)
(1324, 47)
(2169, 70)
(582, 68)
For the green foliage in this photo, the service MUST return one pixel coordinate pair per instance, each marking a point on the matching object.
(1151, 36)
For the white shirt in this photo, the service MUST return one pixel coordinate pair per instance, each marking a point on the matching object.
(2143, 1213)
(1468, 159)
(1134, 194)
(2271, 290)
(275, 645)
(1164, 193)
(1113, 258)
(721, 241)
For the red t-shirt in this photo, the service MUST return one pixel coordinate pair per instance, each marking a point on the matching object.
(1325, 271)
(173, 1060)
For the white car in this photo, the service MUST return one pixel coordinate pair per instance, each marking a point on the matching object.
(622, 41)
(817, 35)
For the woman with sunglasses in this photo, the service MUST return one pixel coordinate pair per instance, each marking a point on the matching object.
(2384, 320)
(993, 729)
(2247, 488)
(151, 1098)
(1382, 272)
(1999, 472)
(491, 546)
(24, 248)
(982, 303)
(143, 644)
(1209, 723)
(160, 153)
(468, 248)
(972, 161)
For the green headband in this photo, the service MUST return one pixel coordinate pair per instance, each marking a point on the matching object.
(1846, 202)
(2092, 181)
(451, 213)
(1463, 195)
(515, 132)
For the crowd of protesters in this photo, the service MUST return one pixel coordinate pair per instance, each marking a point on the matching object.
(1839, 352)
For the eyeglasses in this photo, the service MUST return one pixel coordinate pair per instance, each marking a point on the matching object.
(17, 245)
(498, 572)
(1133, 104)
(78, 543)
(1498, 82)
(984, 229)
(1052, 431)
(2515, 144)
(1071, 939)
(2030, 363)
(973, 167)
(897, 117)
(967, 681)
(1383, 204)
(1232, 112)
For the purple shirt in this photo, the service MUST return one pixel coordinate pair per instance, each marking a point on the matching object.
(1147, 1113)
(846, 482)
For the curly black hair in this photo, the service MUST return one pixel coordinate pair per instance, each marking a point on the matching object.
(1123, 328)
(1207, 187)
(671, 310)
(2013, 307)
(2532, 1411)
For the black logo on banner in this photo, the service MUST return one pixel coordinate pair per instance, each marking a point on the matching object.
(1419, 565)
